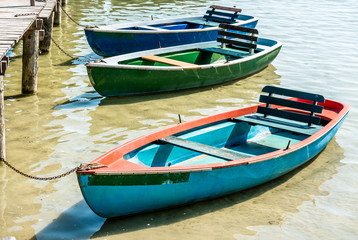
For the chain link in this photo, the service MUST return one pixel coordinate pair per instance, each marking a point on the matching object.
(67, 54)
(40, 178)
(82, 167)
(73, 20)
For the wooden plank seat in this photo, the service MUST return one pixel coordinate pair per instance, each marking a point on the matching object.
(168, 61)
(298, 122)
(203, 22)
(203, 148)
(239, 37)
(145, 27)
(225, 15)
(226, 52)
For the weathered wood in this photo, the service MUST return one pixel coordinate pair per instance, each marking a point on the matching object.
(3, 66)
(237, 43)
(57, 18)
(37, 25)
(226, 8)
(292, 104)
(29, 61)
(289, 115)
(237, 35)
(294, 93)
(45, 44)
(239, 28)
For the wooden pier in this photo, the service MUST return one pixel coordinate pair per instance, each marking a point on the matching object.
(32, 22)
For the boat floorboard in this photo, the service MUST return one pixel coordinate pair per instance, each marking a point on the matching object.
(254, 147)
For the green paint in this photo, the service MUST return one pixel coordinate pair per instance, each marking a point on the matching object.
(137, 179)
(121, 82)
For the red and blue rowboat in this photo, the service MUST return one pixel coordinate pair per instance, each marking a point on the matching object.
(131, 37)
(212, 156)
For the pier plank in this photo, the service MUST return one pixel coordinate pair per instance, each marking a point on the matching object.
(16, 18)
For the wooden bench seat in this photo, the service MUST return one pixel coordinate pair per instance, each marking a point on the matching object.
(224, 15)
(228, 52)
(203, 148)
(169, 61)
(145, 27)
(279, 123)
(303, 121)
(205, 23)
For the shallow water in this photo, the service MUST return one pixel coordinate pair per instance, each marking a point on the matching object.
(67, 123)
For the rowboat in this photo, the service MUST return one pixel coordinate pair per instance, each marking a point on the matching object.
(130, 37)
(212, 156)
(184, 67)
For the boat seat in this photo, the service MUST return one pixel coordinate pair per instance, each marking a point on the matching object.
(226, 52)
(238, 37)
(145, 27)
(203, 148)
(278, 123)
(225, 15)
(169, 61)
(298, 116)
(203, 22)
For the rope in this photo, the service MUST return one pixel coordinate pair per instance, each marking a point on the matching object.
(81, 167)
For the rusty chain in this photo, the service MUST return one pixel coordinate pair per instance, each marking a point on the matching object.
(40, 178)
(73, 20)
(81, 167)
(67, 54)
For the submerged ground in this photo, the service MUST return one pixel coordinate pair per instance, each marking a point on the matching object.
(67, 123)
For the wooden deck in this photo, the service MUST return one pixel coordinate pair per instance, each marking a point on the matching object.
(16, 17)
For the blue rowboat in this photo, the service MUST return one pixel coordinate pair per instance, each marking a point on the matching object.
(237, 53)
(212, 156)
(130, 37)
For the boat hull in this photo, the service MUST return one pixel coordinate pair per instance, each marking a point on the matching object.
(112, 195)
(110, 43)
(112, 81)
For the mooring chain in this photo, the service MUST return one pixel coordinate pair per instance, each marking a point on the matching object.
(81, 167)
(73, 20)
(39, 178)
(24, 14)
(67, 54)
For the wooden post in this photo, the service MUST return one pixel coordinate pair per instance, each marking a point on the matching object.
(45, 44)
(57, 20)
(32, 2)
(3, 66)
(29, 61)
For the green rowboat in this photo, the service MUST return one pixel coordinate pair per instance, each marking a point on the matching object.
(237, 53)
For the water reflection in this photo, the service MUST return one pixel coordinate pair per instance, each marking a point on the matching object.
(264, 205)
(267, 204)
(232, 89)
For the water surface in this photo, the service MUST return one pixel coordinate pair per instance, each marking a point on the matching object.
(67, 123)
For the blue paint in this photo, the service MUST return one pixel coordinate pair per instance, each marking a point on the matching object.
(110, 201)
(116, 43)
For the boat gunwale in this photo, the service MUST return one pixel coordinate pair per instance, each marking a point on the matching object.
(112, 62)
(109, 28)
(340, 108)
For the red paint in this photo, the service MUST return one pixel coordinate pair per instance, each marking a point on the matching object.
(332, 112)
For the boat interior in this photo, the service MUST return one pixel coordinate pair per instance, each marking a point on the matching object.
(267, 130)
(212, 18)
(238, 42)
